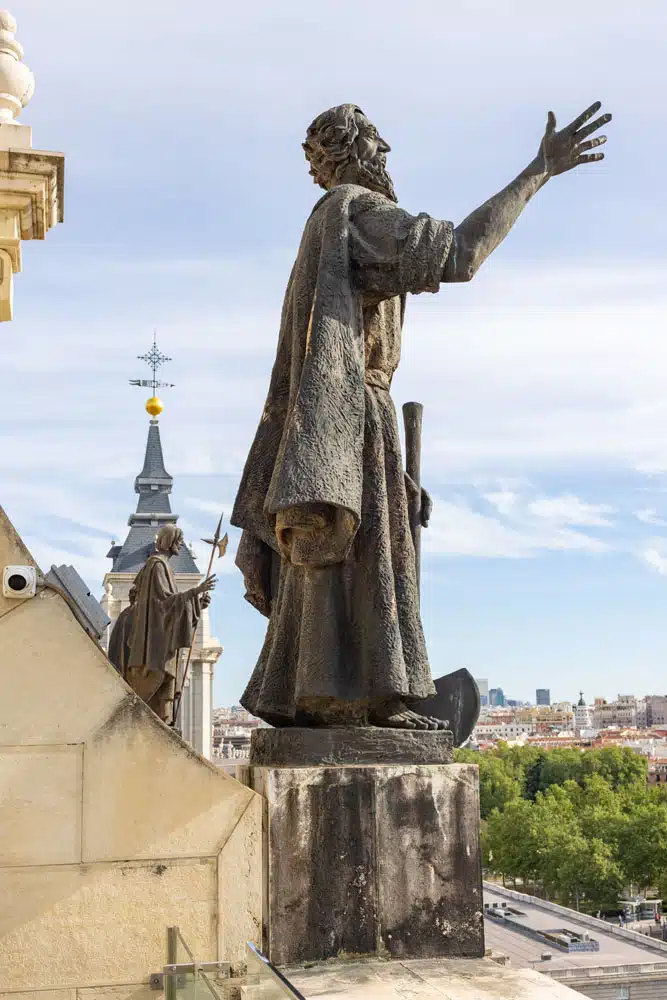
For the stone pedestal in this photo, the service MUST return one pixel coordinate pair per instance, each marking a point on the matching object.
(373, 858)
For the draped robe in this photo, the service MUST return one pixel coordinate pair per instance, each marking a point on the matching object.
(119, 640)
(345, 626)
(164, 621)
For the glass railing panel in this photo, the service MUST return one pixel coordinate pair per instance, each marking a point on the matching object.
(208, 989)
(265, 981)
(185, 986)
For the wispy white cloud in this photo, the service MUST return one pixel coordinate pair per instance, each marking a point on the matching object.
(655, 555)
(520, 527)
(650, 516)
(569, 509)
(504, 501)
(457, 529)
(209, 507)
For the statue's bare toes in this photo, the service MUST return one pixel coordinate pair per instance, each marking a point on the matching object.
(427, 721)
(398, 720)
(402, 720)
(398, 716)
(435, 723)
(420, 721)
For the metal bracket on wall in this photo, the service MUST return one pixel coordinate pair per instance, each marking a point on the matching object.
(223, 968)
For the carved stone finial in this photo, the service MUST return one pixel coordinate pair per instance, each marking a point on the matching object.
(17, 83)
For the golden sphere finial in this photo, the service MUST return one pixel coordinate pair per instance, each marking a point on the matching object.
(154, 406)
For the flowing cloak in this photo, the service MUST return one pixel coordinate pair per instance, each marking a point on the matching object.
(164, 620)
(347, 626)
(119, 640)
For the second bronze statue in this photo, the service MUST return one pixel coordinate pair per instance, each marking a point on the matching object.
(146, 642)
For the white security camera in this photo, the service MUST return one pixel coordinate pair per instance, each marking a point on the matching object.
(19, 582)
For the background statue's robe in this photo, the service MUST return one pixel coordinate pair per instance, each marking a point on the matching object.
(119, 640)
(349, 630)
(164, 621)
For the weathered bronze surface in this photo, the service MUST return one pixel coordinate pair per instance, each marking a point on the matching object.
(327, 550)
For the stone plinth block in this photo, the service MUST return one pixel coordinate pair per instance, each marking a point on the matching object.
(296, 747)
(377, 860)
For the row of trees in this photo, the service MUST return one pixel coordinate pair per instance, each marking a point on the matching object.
(578, 827)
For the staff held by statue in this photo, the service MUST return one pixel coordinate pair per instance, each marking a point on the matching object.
(218, 545)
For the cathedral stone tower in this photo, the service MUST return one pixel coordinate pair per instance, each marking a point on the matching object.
(153, 484)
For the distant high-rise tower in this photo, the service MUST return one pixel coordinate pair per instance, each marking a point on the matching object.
(153, 484)
(483, 686)
(497, 698)
(543, 696)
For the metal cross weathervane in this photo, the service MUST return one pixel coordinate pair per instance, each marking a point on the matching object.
(153, 359)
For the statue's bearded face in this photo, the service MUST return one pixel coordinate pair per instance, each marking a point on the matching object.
(344, 147)
(371, 159)
(169, 540)
(175, 546)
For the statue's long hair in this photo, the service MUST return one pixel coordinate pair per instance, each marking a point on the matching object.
(166, 537)
(330, 149)
(329, 143)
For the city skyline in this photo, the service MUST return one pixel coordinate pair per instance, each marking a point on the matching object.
(483, 684)
(545, 419)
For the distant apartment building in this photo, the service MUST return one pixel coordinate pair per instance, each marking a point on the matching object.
(549, 741)
(502, 731)
(232, 729)
(657, 772)
(543, 696)
(562, 706)
(498, 715)
(656, 709)
(626, 712)
(548, 718)
(641, 713)
(483, 686)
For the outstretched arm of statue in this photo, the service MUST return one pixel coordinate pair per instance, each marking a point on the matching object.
(479, 235)
(314, 534)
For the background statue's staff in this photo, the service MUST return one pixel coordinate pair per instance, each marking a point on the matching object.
(218, 545)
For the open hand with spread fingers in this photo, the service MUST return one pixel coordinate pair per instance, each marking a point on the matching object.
(563, 150)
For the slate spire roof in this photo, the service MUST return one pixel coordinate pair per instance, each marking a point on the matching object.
(153, 484)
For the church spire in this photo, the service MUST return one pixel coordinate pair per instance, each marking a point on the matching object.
(153, 484)
(153, 476)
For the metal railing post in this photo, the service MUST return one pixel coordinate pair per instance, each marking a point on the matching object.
(172, 958)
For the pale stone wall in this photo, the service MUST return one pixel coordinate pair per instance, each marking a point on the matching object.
(111, 828)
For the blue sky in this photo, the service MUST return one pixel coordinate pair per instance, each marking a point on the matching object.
(545, 426)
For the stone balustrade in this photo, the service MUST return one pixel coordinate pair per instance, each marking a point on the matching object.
(31, 181)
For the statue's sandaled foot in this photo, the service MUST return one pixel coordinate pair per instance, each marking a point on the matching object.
(398, 716)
